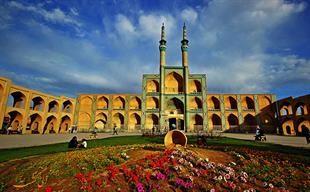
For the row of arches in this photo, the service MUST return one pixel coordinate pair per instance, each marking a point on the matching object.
(101, 120)
(213, 103)
(18, 100)
(36, 124)
(174, 84)
(299, 127)
(103, 103)
(299, 108)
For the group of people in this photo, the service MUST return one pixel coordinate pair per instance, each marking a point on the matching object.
(75, 144)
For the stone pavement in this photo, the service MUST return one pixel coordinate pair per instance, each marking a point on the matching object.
(13, 141)
(276, 139)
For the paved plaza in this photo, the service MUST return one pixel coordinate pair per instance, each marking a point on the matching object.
(13, 141)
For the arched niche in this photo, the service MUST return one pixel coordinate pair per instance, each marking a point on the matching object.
(152, 103)
(264, 102)
(15, 119)
(173, 83)
(152, 86)
(285, 109)
(233, 121)
(135, 103)
(67, 106)
(248, 103)
(35, 123)
(175, 104)
(50, 125)
(53, 106)
(119, 103)
(65, 124)
(37, 104)
(216, 120)
(231, 103)
(101, 120)
(301, 109)
(17, 99)
(288, 127)
(151, 121)
(195, 103)
(134, 121)
(214, 103)
(118, 120)
(194, 86)
(103, 103)
(196, 123)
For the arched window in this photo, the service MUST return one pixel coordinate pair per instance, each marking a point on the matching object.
(67, 106)
(119, 103)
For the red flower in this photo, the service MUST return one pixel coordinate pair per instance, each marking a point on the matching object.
(79, 175)
(232, 185)
(48, 189)
(110, 167)
(99, 182)
(148, 176)
(174, 162)
(112, 174)
(135, 178)
(124, 168)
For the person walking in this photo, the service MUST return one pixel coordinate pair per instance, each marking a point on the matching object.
(115, 130)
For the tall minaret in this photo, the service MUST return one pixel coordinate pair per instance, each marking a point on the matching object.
(185, 75)
(184, 48)
(162, 47)
(162, 50)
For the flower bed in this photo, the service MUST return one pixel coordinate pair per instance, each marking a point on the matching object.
(152, 168)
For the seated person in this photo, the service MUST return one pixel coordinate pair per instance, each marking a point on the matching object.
(73, 143)
(83, 144)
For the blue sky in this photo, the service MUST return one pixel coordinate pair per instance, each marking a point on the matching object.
(71, 47)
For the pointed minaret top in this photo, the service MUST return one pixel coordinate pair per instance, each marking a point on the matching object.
(163, 32)
(184, 32)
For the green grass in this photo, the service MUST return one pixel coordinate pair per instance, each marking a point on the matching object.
(16, 153)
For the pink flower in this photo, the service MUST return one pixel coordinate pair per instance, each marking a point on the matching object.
(179, 182)
(140, 187)
(232, 185)
(227, 176)
(212, 190)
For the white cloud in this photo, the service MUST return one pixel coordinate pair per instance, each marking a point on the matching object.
(228, 42)
(150, 25)
(189, 15)
(55, 15)
(123, 26)
(231, 43)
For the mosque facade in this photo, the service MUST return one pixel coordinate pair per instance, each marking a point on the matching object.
(171, 99)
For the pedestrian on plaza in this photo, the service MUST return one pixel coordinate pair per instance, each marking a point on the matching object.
(73, 143)
(94, 132)
(115, 129)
